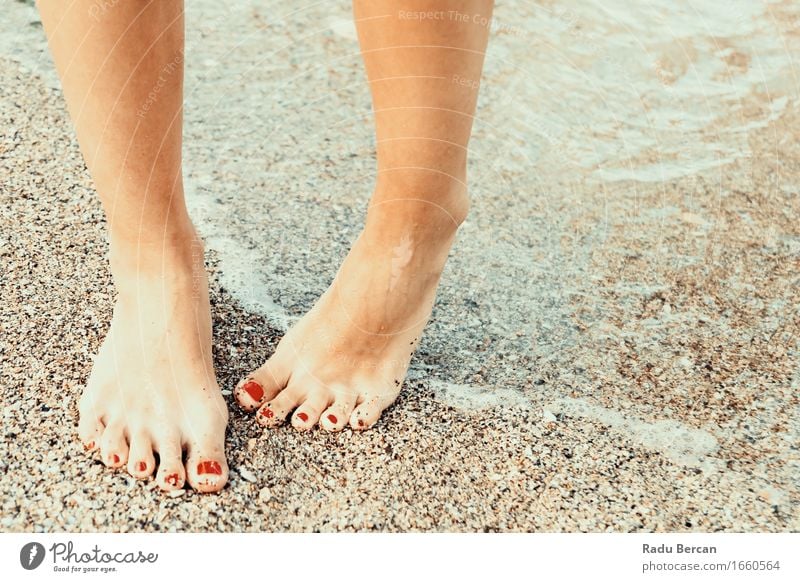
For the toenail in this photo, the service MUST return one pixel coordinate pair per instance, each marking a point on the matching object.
(115, 459)
(173, 479)
(360, 422)
(266, 412)
(302, 416)
(254, 390)
(141, 466)
(209, 467)
(332, 418)
(89, 446)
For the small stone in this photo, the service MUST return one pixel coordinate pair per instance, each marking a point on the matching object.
(549, 416)
(265, 494)
(225, 392)
(247, 475)
(177, 493)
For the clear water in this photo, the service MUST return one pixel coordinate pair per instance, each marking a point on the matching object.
(646, 91)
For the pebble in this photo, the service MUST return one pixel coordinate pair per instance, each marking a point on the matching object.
(247, 474)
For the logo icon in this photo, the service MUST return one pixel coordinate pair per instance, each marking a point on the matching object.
(31, 555)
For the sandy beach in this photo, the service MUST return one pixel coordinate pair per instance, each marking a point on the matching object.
(615, 342)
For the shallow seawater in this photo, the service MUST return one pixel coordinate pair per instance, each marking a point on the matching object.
(646, 91)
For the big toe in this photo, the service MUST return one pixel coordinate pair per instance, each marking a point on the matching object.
(206, 467)
(262, 385)
(206, 474)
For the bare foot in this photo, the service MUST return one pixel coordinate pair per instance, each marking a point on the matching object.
(152, 391)
(346, 360)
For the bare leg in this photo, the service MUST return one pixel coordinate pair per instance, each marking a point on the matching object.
(152, 390)
(346, 360)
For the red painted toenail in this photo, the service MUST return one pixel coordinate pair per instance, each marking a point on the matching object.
(266, 412)
(332, 418)
(173, 480)
(89, 446)
(360, 422)
(114, 459)
(302, 416)
(209, 468)
(254, 390)
(141, 466)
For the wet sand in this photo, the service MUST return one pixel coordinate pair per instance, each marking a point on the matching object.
(615, 343)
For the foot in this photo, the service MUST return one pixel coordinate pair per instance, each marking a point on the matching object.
(345, 361)
(152, 393)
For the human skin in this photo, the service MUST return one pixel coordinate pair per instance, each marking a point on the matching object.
(152, 390)
(346, 360)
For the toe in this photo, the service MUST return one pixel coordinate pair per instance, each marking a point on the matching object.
(171, 474)
(250, 394)
(90, 429)
(308, 413)
(335, 418)
(262, 385)
(368, 412)
(141, 462)
(113, 447)
(206, 468)
(274, 412)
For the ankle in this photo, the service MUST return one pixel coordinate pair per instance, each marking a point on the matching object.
(429, 207)
(173, 253)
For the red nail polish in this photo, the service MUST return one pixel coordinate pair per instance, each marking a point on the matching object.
(332, 418)
(173, 480)
(141, 466)
(254, 390)
(89, 446)
(114, 459)
(266, 412)
(302, 416)
(360, 422)
(209, 468)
